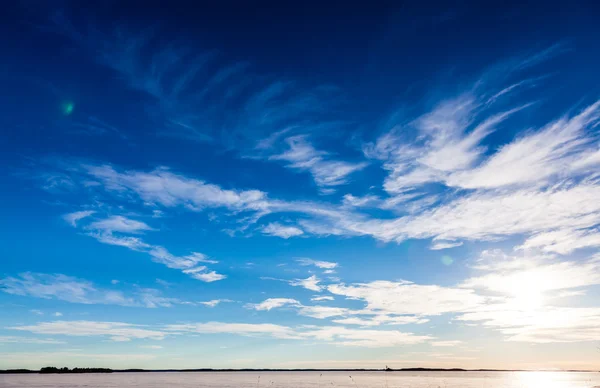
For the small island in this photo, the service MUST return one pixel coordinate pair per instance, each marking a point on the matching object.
(52, 369)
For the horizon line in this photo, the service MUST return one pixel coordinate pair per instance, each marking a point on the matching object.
(217, 370)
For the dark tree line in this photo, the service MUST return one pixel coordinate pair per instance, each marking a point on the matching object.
(52, 369)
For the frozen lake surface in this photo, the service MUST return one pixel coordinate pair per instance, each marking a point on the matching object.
(307, 380)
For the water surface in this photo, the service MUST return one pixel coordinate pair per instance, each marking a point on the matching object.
(307, 380)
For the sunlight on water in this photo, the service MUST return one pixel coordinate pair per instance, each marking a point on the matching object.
(549, 380)
(541, 380)
(308, 380)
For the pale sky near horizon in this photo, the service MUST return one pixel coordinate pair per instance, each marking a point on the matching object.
(300, 185)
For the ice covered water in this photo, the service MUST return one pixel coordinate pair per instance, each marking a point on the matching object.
(308, 380)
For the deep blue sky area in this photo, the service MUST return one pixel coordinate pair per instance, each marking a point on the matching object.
(299, 184)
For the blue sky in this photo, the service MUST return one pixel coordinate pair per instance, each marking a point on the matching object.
(300, 186)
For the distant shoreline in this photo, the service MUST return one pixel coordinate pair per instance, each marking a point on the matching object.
(106, 370)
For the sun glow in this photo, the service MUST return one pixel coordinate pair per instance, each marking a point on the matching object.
(543, 380)
(527, 291)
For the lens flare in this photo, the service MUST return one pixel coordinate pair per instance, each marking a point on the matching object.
(67, 108)
(447, 260)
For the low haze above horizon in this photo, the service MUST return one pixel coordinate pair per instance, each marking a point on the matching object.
(300, 185)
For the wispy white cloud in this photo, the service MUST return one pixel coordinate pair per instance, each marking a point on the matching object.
(106, 231)
(439, 245)
(164, 283)
(324, 312)
(201, 273)
(310, 283)
(451, 343)
(319, 312)
(133, 243)
(549, 325)
(554, 160)
(153, 298)
(478, 215)
(188, 262)
(488, 215)
(168, 189)
(72, 218)
(447, 144)
(29, 340)
(93, 126)
(317, 263)
(272, 303)
(366, 338)
(32, 360)
(558, 148)
(563, 241)
(322, 298)
(189, 88)
(74, 290)
(56, 286)
(301, 155)
(244, 329)
(407, 298)
(514, 295)
(364, 201)
(448, 148)
(331, 334)
(283, 231)
(215, 302)
(269, 141)
(120, 224)
(202, 258)
(164, 188)
(157, 213)
(381, 319)
(345, 316)
(470, 215)
(116, 331)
